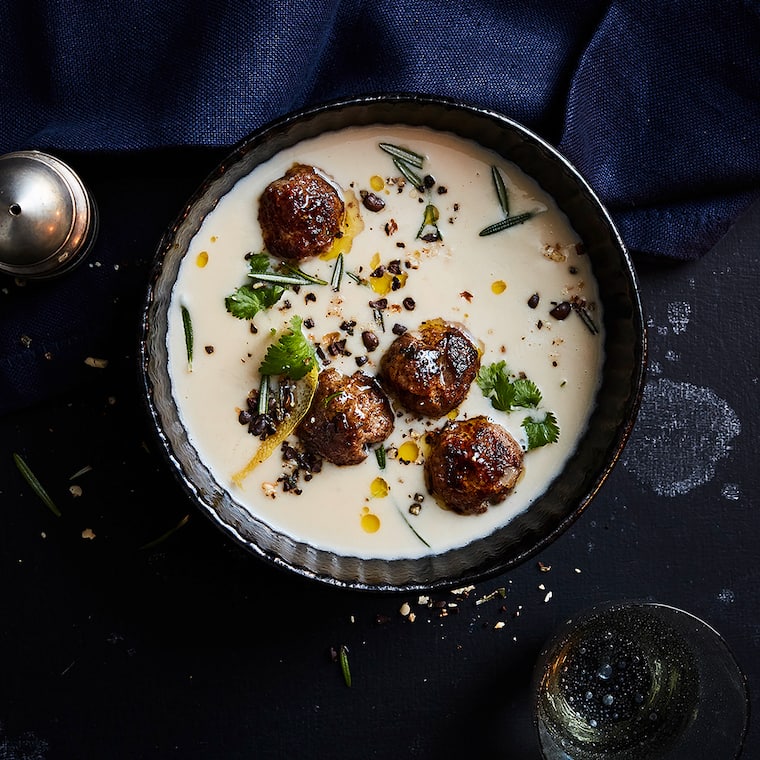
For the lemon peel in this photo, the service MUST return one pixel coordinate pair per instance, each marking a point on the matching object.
(303, 393)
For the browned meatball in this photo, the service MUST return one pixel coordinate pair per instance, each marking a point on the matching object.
(346, 414)
(472, 463)
(300, 214)
(431, 369)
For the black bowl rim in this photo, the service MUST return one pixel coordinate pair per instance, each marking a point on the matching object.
(397, 99)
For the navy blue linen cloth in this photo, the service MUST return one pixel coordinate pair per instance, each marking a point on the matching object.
(656, 102)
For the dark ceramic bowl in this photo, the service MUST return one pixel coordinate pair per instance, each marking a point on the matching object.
(616, 404)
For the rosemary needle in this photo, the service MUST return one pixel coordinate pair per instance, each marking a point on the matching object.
(411, 527)
(403, 154)
(501, 190)
(504, 224)
(344, 667)
(35, 484)
(166, 535)
(187, 325)
(337, 274)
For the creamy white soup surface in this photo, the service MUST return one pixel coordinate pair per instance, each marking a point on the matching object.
(482, 282)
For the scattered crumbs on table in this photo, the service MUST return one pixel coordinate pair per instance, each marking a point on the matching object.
(26, 341)
(542, 568)
(92, 361)
(463, 591)
(499, 592)
(43, 534)
(75, 491)
(88, 534)
(405, 609)
(547, 597)
(577, 570)
(352, 619)
(498, 626)
(541, 587)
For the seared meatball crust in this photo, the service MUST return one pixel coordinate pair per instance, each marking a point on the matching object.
(300, 214)
(347, 414)
(430, 369)
(472, 463)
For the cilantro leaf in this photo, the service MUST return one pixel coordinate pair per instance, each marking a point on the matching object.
(248, 300)
(292, 355)
(258, 263)
(527, 393)
(541, 432)
(493, 381)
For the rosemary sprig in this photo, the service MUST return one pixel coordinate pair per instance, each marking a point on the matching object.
(409, 174)
(582, 312)
(187, 326)
(403, 154)
(337, 273)
(164, 536)
(411, 527)
(263, 405)
(379, 319)
(510, 221)
(501, 190)
(380, 456)
(278, 278)
(35, 484)
(344, 666)
(308, 277)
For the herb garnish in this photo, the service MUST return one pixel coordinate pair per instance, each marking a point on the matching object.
(35, 484)
(411, 527)
(505, 224)
(503, 196)
(187, 326)
(541, 432)
(156, 541)
(404, 154)
(337, 274)
(248, 300)
(406, 161)
(501, 190)
(292, 355)
(581, 310)
(380, 456)
(266, 286)
(344, 668)
(508, 393)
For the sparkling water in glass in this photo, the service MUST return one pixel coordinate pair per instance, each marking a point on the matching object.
(638, 680)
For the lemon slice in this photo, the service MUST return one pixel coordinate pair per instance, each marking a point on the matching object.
(304, 393)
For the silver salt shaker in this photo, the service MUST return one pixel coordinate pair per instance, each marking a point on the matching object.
(48, 220)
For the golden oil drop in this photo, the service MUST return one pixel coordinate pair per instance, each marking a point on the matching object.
(370, 522)
(379, 488)
(408, 451)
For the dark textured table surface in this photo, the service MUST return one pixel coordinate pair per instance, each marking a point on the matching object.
(192, 649)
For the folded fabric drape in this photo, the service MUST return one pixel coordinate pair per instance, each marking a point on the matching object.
(656, 103)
